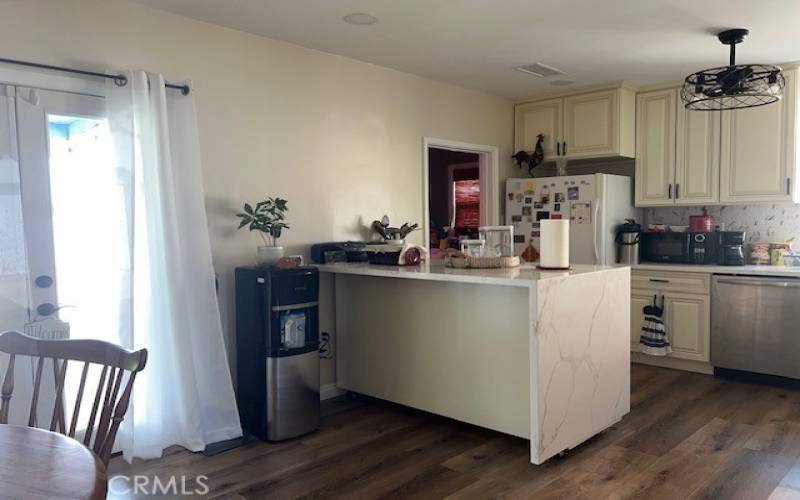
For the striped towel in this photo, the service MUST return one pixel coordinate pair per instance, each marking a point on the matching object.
(653, 339)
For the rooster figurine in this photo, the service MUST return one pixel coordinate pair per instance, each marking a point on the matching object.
(533, 159)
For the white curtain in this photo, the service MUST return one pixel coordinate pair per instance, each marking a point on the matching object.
(185, 395)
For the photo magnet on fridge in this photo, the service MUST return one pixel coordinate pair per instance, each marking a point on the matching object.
(536, 234)
(542, 215)
(538, 205)
(516, 218)
(556, 216)
(560, 197)
(557, 207)
(529, 200)
(573, 193)
(519, 238)
(526, 211)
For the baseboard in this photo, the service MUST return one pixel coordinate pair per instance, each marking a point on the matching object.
(329, 391)
(674, 363)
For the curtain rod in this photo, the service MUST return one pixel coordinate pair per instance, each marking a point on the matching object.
(120, 80)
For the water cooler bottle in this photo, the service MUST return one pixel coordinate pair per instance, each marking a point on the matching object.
(277, 343)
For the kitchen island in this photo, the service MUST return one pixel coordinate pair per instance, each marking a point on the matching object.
(539, 355)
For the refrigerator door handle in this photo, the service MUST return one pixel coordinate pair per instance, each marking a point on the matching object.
(596, 225)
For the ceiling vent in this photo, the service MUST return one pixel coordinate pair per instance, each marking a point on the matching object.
(539, 69)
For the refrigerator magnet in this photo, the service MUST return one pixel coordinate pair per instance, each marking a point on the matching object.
(516, 218)
(519, 197)
(542, 215)
(557, 206)
(529, 187)
(536, 234)
(526, 211)
(556, 216)
(573, 193)
(538, 205)
(581, 213)
(510, 196)
(519, 238)
(560, 197)
(528, 200)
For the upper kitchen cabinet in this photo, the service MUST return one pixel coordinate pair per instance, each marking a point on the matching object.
(655, 146)
(697, 156)
(587, 125)
(758, 144)
(541, 117)
(599, 124)
(742, 156)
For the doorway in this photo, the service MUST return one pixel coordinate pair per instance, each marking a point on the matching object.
(64, 214)
(461, 185)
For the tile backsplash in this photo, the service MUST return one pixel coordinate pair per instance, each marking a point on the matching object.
(767, 222)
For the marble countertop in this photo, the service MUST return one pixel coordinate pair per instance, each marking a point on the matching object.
(525, 275)
(793, 272)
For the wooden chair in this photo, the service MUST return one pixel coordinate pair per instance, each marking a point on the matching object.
(115, 361)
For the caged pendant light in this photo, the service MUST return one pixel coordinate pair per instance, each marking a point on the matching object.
(733, 86)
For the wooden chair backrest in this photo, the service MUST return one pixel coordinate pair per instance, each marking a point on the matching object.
(109, 403)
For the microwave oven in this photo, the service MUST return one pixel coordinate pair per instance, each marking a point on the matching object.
(678, 248)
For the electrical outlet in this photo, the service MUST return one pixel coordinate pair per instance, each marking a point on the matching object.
(325, 346)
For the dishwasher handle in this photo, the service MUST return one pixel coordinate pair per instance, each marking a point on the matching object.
(773, 282)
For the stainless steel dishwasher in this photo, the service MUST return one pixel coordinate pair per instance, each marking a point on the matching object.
(756, 324)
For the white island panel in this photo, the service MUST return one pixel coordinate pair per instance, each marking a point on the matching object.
(582, 359)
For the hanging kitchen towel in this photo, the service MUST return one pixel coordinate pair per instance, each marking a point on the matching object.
(654, 339)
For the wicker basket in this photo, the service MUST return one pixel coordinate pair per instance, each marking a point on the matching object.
(483, 262)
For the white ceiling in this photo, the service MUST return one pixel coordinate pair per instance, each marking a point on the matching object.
(477, 43)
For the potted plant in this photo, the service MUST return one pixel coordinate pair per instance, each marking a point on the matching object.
(267, 217)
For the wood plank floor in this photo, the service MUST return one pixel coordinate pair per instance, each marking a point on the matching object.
(687, 436)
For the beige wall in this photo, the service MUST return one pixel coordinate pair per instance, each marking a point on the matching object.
(340, 139)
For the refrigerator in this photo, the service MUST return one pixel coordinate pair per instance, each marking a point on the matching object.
(595, 205)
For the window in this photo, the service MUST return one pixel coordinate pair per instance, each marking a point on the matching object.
(467, 194)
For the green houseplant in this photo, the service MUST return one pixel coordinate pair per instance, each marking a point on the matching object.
(268, 219)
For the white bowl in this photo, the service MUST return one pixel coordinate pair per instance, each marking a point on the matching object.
(678, 229)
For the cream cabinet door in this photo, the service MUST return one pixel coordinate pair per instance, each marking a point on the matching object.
(758, 161)
(697, 157)
(655, 147)
(591, 124)
(639, 299)
(688, 323)
(541, 117)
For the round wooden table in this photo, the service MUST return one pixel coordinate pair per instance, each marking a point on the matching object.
(35, 464)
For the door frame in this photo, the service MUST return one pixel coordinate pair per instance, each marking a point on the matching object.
(488, 165)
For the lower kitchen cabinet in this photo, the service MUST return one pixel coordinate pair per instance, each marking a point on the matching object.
(688, 323)
(687, 316)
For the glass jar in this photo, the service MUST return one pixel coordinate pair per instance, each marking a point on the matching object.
(499, 240)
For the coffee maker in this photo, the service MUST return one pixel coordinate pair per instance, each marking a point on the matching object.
(730, 248)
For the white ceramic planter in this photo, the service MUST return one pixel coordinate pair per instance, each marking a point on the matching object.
(268, 256)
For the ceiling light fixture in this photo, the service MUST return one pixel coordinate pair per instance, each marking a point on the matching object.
(733, 86)
(360, 19)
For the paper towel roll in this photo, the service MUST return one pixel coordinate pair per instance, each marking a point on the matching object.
(554, 243)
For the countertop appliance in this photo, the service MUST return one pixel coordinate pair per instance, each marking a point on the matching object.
(678, 247)
(628, 242)
(701, 223)
(595, 205)
(754, 325)
(277, 350)
(339, 251)
(730, 248)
